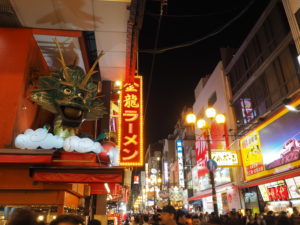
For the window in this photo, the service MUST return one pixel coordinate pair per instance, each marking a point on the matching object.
(289, 67)
(212, 99)
(267, 38)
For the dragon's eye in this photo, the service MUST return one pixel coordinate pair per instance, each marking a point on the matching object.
(67, 91)
(80, 94)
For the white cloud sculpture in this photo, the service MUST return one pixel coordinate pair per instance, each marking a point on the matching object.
(114, 156)
(82, 145)
(32, 139)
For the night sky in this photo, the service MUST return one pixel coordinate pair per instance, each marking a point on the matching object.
(177, 72)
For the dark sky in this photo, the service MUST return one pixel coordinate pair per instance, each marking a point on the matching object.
(177, 72)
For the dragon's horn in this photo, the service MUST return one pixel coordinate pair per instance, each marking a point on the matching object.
(62, 61)
(91, 71)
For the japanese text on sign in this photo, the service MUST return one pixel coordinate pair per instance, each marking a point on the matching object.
(131, 123)
(180, 162)
(226, 158)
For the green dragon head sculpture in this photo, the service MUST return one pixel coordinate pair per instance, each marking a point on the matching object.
(72, 95)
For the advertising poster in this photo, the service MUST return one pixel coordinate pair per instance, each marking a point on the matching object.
(293, 185)
(273, 147)
(219, 140)
(201, 155)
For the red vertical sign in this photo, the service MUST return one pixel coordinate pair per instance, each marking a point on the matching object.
(218, 135)
(131, 123)
(201, 155)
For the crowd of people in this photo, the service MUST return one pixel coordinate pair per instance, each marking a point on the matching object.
(169, 216)
(27, 217)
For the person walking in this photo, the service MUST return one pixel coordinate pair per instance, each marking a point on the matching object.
(283, 219)
(67, 220)
(295, 217)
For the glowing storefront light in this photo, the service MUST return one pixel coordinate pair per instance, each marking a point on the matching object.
(131, 123)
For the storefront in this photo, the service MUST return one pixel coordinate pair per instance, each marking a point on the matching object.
(270, 155)
(227, 193)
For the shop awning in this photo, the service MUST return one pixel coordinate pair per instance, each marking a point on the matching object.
(77, 174)
(26, 156)
(281, 176)
(195, 202)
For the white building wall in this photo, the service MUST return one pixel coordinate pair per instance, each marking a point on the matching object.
(217, 82)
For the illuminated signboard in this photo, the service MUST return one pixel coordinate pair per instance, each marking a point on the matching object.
(273, 147)
(136, 180)
(247, 110)
(180, 162)
(226, 158)
(131, 123)
(293, 185)
(274, 191)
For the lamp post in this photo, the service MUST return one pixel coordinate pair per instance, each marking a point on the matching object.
(204, 126)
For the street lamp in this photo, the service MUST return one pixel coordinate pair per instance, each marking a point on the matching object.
(203, 125)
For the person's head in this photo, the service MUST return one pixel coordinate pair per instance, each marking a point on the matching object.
(136, 220)
(94, 222)
(283, 213)
(251, 219)
(22, 217)
(196, 220)
(180, 217)
(295, 210)
(168, 213)
(146, 219)
(248, 212)
(67, 220)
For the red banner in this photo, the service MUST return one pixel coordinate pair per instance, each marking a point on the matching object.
(201, 155)
(131, 123)
(218, 135)
(278, 193)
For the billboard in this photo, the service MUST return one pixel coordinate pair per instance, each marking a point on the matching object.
(273, 147)
(131, 123)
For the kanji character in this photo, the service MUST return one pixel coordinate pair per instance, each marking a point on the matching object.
(131, 101)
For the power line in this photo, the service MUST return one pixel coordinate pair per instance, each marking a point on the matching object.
(195, 15)
(163, 4)
(190, 43)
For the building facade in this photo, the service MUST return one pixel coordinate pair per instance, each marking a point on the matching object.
(264, 78)
(214, 91)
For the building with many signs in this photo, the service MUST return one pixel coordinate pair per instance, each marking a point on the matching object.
(214, 91)
(55, 93)
(265, 81)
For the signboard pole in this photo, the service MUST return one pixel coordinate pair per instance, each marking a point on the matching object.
(212, 176)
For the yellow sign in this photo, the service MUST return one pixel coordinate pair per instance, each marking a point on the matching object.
(273, 147)
(228, 158)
